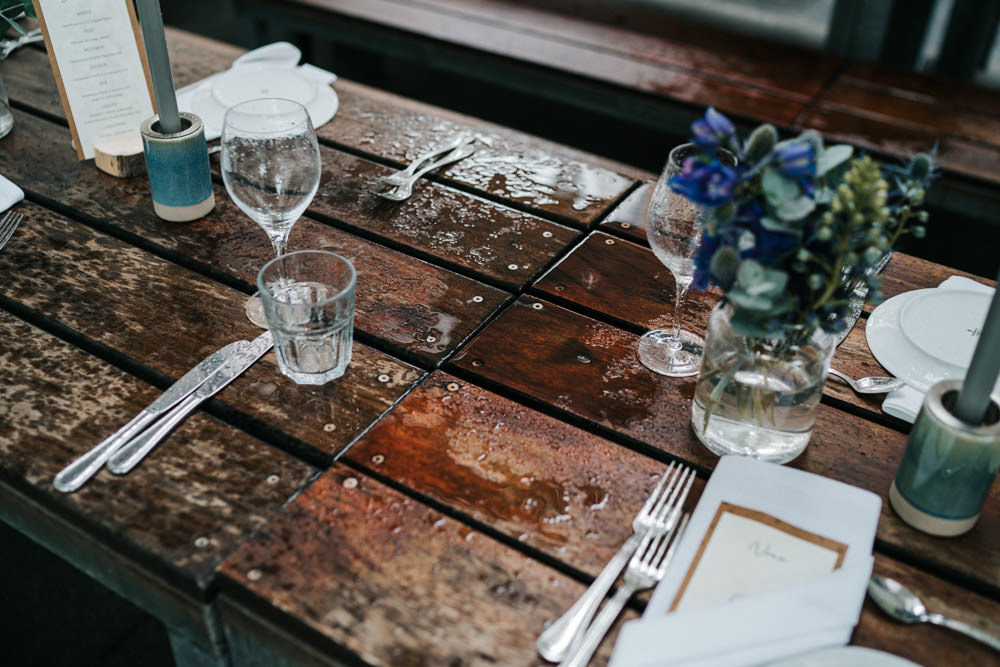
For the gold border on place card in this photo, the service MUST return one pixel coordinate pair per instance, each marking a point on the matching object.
(140, 45)
(766, 519)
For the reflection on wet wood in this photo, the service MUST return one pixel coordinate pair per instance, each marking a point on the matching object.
(413, 305)
(498, 243)
(370, 570)
(629, 216)
(169, 319)
(537, 174)
(202, 492)
(539, 480)
(589, 370)
(625, 281)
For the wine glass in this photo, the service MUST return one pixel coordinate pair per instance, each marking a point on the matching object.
(674, 226)
(271, 168)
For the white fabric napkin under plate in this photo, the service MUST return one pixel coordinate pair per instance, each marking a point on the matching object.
(905, 403)
(276, 56)
(764, 627)
(10, 194)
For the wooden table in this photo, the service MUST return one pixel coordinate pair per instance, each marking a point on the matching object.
(479, 462)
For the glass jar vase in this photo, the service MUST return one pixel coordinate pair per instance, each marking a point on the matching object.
(758, 397)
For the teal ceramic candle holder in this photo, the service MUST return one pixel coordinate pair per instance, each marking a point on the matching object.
(948, 466)
(179, 175)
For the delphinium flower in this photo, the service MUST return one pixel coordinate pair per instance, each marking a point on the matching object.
(795, 225)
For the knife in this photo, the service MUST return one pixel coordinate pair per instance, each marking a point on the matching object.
(73, 476)
(855, 306)
(129, 455)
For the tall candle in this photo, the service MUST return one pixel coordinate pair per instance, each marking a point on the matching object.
(159, 65)
(974, 396)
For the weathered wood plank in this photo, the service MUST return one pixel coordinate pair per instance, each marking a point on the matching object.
(528, 171)
(169, 318)
(589, 370)
(537, 479)
(368, 570)
(423, 310)
(203, 492)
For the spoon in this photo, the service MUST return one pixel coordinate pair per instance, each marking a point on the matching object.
(870, 385)
(903, 605)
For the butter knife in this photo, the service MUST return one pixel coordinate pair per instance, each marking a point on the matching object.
(130, 454)
(73, 476)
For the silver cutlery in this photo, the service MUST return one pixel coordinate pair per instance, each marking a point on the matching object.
(659, 514)
(73, 476)
(7, 226)
(8, 46)
(870, 385)
(903, 605)
(403, 175)
(130, 454)
(645, 570)
(405, 189)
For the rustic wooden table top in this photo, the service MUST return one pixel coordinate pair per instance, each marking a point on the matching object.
(481, 459)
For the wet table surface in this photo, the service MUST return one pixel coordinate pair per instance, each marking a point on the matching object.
(480, 460)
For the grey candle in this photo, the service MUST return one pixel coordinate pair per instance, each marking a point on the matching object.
(159, 65)
(974, 396)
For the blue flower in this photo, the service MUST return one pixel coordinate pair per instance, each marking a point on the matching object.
(795, 158)
(713, 131)
(711, 184)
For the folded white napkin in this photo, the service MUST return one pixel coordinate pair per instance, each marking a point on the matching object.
(10, 194)
(278, 55)
(905, 403)
(762, 627)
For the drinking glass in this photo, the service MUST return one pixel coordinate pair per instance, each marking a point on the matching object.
(674, 226)
(308, 299)
(271, 168)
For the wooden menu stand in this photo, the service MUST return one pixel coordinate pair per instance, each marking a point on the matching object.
(122, 158)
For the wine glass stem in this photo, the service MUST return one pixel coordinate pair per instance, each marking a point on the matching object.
(681, 295)
(279, 241)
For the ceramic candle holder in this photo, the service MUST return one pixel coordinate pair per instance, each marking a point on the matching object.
(179, 174)
(947, 467)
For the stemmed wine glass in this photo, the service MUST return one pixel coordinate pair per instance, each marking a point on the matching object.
(674, 226)
(271, 168)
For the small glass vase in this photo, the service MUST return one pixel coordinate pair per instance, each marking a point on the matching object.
(758, 397)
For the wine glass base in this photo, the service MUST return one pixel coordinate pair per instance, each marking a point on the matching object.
(254, 310)
(656, 354)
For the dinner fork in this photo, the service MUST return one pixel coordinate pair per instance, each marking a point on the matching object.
(405, 189)
(7, 226)
(397, 178)
(658, 515)
(645, 570)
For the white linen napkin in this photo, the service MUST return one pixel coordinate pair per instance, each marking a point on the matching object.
(278, 55)
(905, 403)
(762, 627)
(10, 194)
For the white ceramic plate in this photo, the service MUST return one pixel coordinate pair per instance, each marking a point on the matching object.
(934, 324)
(944, 323)
(238, 85)
(855, 656)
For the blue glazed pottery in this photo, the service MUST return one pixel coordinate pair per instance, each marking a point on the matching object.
(177, 165)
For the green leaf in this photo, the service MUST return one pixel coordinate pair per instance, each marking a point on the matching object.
(777, 188)
(795, 209)
(832, 157)
(775, 225)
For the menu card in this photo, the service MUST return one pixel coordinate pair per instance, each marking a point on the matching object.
(95, 48)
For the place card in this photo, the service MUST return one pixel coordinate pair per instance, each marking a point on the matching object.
(100, 69)
(746, 552)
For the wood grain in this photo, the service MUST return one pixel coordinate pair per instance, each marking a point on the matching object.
(392, 581)
(588, 370)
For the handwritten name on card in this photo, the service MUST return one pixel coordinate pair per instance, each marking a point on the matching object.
(95, 50)
(745, 552)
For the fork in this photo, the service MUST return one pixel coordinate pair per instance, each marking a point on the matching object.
(7, 226)
(658, 515)
(397, 178)
(645, 570)
(405, 189)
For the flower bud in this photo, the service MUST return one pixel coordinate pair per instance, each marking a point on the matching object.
(921, 166)
(760, 143)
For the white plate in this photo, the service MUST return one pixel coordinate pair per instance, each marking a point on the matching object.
(944, 324)
(895, 349)
(855, 656)
(234, 86)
